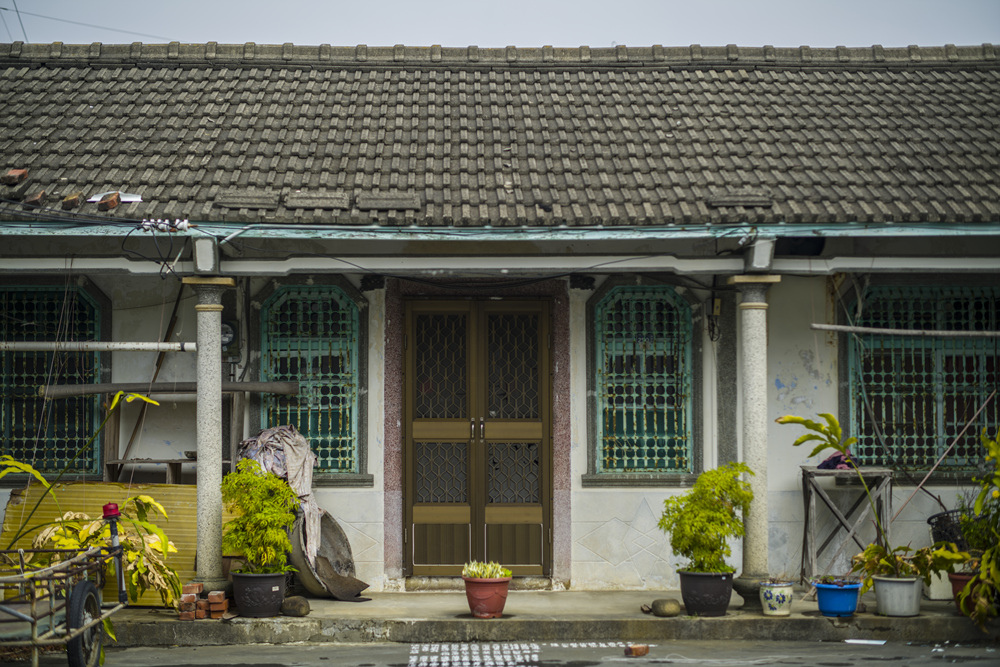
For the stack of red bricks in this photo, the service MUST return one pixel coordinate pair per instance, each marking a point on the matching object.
(195, 603)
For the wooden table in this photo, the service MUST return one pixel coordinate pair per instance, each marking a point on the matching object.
(172, 467)
(879, 481)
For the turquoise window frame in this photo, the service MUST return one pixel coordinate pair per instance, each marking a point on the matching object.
(661, 376)
(918, 392)
(321, 351)
(68, 422)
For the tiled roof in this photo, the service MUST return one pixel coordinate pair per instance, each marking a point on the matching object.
(505, 137)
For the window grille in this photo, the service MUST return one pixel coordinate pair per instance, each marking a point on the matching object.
(643, 347)
(920, 391)
(49, 434)
(310, 336)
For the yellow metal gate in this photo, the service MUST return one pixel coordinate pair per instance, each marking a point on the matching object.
(478, 436)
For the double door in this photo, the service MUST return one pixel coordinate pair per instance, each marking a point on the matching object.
(477, 436)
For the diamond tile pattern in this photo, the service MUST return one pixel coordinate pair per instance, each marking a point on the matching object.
(507, 137)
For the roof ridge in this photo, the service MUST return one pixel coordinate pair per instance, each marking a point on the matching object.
(694, 54)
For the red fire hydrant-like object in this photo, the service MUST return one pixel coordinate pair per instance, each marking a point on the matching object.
(111, 515)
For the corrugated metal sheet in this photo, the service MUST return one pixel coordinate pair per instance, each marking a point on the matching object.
(179, 500)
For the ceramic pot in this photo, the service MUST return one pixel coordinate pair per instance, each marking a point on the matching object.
(486, 597)
(776, 598)
(958, 581)
(258, 595)
(837, 600)
(706, 593)
(898, 596)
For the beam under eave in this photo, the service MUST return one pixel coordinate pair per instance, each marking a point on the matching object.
(507, 265)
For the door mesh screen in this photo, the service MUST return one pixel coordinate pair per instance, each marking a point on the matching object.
(514, 473)
(310, 336)
(441, 472)
(48, 434)
(441, 372)
(512, 349)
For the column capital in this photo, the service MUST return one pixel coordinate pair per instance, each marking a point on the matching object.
(753, 278)
(211, 281)
(753, 288)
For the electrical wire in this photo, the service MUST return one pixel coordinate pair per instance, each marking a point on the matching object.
(18, 12)
(80, 23)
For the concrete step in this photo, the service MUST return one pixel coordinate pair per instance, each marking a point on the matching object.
(533, 616)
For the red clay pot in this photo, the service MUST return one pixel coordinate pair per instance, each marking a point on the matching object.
(486, 597)
(958, 581)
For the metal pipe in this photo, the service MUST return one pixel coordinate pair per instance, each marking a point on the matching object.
(905, 332)
(66, 390)
(96, 346)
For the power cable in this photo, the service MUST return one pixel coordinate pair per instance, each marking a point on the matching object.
(18, 12)
(86, 25)
(6, 27)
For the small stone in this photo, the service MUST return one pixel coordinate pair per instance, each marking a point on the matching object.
(635, 650)
(667, 608)
(295, 605)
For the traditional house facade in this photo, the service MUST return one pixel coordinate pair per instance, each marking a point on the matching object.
(526, 294)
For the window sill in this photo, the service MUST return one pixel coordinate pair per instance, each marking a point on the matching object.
(348, 479)
(638, 479)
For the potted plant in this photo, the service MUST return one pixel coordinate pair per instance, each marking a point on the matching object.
(776, 596)
(978, 598)
(700, 524)
(837, 596)
(486, 587)
(264, 507)
(888, 560)
(900, 574)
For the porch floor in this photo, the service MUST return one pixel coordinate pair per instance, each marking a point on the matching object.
(532, 616)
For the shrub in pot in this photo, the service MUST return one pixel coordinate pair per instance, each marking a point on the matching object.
(900, 574)
(486, 586)
(880, 561)
(264, 507)
(979, 597)
(700, 524)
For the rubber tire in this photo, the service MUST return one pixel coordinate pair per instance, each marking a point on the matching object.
(84, 606)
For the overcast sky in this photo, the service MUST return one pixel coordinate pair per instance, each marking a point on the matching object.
(491, 23)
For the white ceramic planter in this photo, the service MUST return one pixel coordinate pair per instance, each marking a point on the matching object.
(776, 598)
(898, 597)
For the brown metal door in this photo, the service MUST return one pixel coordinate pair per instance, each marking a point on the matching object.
(478, 454)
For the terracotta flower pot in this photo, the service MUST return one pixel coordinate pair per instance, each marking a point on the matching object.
(958, 581)
(486, 597)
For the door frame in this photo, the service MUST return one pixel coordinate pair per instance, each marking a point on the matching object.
(509, 514)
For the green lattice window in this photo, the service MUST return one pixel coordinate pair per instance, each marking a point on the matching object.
(310, 335)
(643, 381)
(48, 434)
(919, 391)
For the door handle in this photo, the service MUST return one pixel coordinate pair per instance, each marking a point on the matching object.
(482, 428)
(472, 428)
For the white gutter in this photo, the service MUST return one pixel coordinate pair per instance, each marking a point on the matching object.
(815, 266)
(487, 265)
(96, 346)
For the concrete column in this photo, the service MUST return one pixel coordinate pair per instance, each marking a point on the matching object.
(209, 429)
(753, 376)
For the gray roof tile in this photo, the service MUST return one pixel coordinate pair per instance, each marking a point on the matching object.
(626, 136)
